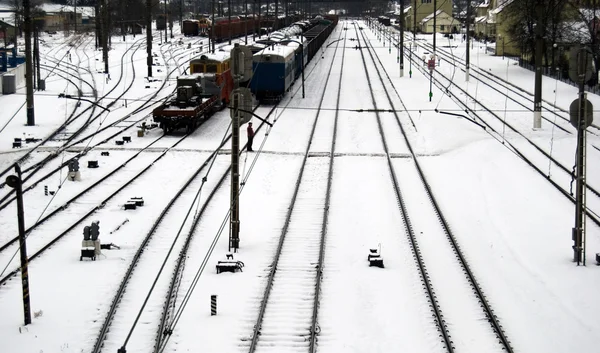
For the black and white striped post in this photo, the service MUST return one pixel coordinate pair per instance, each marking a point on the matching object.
(45, 190)
(213, 305)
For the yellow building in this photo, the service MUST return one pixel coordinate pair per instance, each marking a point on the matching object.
(425, 8)
(444, 23)
(505, 45)
(483, 25)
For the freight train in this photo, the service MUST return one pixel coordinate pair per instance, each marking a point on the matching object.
(191, 27)
(277, 66)
(199, 95)
(224, 28)
(384, 20)
(209, 85)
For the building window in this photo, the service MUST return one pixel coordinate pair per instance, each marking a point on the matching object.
(441, 27)
(425, 1)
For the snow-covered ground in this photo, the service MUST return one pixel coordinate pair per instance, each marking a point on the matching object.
(513, 227)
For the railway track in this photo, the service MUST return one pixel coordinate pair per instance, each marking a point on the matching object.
(86, 191)
(293, 284)
(39, 239)
(170, 315)
(512, 92)
(69, 144)
(528, 150)
(142, 268)
(449, 274)
(505, 85)
(519, 96)
(31, 170)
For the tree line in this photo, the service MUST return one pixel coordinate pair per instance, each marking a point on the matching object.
(563, 24)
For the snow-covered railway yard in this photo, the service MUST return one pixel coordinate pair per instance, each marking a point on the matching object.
(360, 189)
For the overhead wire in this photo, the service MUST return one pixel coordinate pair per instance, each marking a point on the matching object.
(158, 274)
(553, 126)
(63, 180)
(187, 295)
(505, 103)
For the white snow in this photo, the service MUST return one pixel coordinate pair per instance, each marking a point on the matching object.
(513, 226)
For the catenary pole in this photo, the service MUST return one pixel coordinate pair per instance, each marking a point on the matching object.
(401, 45)
(234, 226)
(434, 25)
(579, 231)
(212, 26)
(539, 47)
(16, 182)
(37, 56)
(28, 64)
(468, 38)
(104, 29)
(415, 22)
(149, 36)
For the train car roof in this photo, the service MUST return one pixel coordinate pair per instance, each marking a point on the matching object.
(276, 50)
(277, 36)
(293, 42)
(226, 18)
(216, 56)
(190, 76)
(259, 45)
(226, 48)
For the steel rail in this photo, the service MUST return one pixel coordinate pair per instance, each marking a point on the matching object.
(437, 311)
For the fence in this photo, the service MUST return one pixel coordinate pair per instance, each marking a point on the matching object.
(558, 75)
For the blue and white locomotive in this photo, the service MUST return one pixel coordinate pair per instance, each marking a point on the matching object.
(282, 61)
(274, 71)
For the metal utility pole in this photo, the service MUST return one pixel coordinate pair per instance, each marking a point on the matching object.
(401, 45)
(229, 15)
(104, 30)
(28, 63)
(75, 16)
(170, 19)
(246, 22)
(275, 24)
(434, 24)
(234, 225)
(241, 101)
(16, 182)
(123, 26)
(34, 58)
(97, 32)
(212, 26)
(579, 230)
(166, 20)
(581, 112)
(539, 47)
(415, 23)
(468, 54)
(149, 36)
(37, 58)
